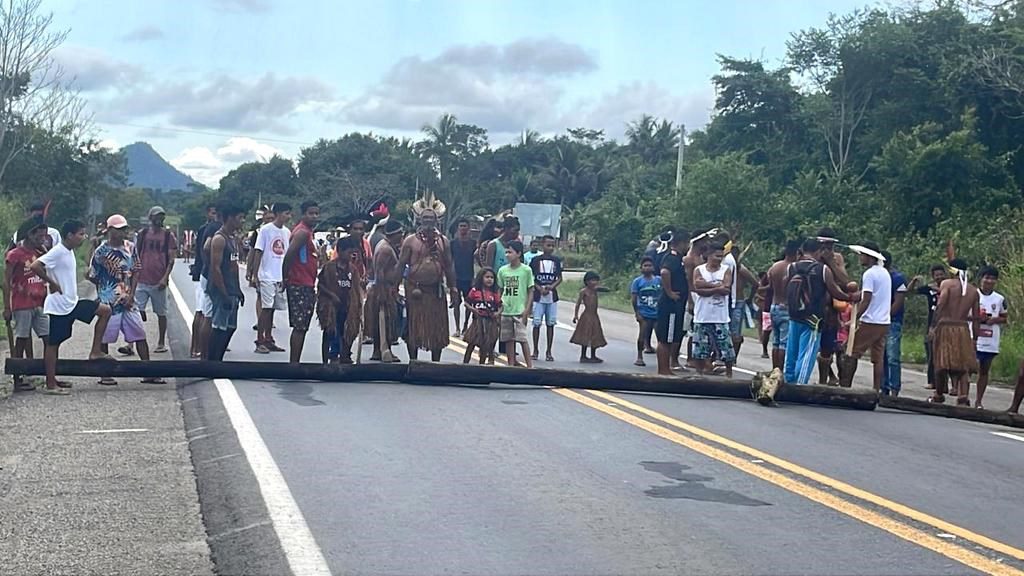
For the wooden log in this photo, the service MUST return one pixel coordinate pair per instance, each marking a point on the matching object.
(437, 373)
(854, 398)
(198, 369)
(953, 411)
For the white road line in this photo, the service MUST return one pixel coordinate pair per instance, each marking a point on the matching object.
(1010, 436)
(300, 548)
(113, 431)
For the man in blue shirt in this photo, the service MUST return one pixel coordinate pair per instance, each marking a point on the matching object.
(645, 291)
(893, 345)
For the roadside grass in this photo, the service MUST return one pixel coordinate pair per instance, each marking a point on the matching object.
(617, 298)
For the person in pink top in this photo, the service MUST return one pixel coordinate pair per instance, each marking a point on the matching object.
(300, 271)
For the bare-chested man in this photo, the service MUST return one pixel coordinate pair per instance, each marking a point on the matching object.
(429, 258)
(830, 326)
(778, 277)
(953, 347)
(694, 257)
(382, 300)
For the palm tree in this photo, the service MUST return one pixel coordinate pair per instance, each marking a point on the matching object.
(652, 140)
(440, 146)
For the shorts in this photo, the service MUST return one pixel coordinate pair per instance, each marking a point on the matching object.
(60, 326)
(669, 326)
(780, 327)
(301, 303)
(225, 313)
(736, 321)
(271, 295)
(985, 358)
(146, 293)
(31, 320)
(128, 323)
(687, 322)
(512, 329)
(204, 304)
(464, 287)
(709, 339)
(542, 311)
(871, 337)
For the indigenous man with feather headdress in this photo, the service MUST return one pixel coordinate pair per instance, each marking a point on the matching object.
(957, 318)
(429, 259)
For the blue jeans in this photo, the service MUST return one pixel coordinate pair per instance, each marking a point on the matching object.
(893, 354)
(801, 352)
(335, 341)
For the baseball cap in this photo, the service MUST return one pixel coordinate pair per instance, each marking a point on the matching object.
(117, 221)
(156, 210)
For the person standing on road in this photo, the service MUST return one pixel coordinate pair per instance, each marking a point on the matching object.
(694, 257)
(223, 287)
(382, 301)
(59, 269)
(931, 291)
(25, 293)
(954, 349)
(338, 301)
(778, 278)
(588, 333)
(644, 293)
(463, 250)
(547, 277)
(872, 329)
(893, 344)
(300, 270)
(712, 286)
(429, 260)
(830, 324)
(516, 282)
(115, 267)
(675, 293)
(267, 275)
(994, 314)
(196, 271)
(483, 303)
(264, 216)
(535, 250)
(157, 248)
(741, 277)
(495, 255)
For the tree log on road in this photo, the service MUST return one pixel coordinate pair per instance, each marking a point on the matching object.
(953, 411)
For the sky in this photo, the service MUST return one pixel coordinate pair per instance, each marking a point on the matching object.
(215, 83)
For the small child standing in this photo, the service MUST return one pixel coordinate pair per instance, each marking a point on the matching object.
(588, 333)
(516, 282)
(483, 301)
(337, 306)
(644, 292)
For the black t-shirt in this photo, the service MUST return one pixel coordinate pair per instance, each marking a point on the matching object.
(673, 262)
(462, 254)
(933, 299)
(546, 271)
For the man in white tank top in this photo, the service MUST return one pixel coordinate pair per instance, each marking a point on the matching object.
(712, 283)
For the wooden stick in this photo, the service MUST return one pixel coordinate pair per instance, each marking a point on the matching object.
(853, 329)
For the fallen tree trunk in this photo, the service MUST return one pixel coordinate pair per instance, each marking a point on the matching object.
(211, 370)
(953, 411)
(855, 398)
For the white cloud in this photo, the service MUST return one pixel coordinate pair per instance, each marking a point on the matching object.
(109, 144)
(246, 150)
(95, 70)
(144, 34)
(614, 109)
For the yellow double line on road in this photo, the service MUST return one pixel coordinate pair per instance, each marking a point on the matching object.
(800, 481)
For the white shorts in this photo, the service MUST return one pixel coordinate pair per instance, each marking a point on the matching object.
(272, 296)
(205, 305)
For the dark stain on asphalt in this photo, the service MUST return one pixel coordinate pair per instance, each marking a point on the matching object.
(691, 486)
(513, 402)
(298, 393)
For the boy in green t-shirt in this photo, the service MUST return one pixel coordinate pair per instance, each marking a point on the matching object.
(515, 280)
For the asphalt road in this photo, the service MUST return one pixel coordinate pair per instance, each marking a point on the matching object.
(399, 479)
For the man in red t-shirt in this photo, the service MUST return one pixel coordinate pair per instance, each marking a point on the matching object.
(24, 294)
(300, 271)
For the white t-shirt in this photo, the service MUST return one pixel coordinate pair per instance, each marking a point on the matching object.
(730, 262)
(878, 282)
(711, 309)
(993, 305)
(273, 242)
(62, 268)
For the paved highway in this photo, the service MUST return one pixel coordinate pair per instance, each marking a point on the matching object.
(395, 479)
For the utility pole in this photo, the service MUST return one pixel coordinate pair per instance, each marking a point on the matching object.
(679, 162)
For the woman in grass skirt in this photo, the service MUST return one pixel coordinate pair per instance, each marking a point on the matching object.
(484, 303)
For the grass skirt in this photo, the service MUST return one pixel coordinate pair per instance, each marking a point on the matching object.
(428, 317)
(952, 348)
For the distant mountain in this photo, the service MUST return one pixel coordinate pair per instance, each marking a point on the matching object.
(147, 169)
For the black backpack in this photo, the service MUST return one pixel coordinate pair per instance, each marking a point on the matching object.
(804, 295)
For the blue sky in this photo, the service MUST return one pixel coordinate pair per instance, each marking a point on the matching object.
(213, 83)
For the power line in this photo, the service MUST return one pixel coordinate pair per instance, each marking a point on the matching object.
(207, 133)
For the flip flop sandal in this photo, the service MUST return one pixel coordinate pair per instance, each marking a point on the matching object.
(153, 381)
(126, 351)
(549, 358)
(160, 350)
(62, 384)
(54, 391)
(639, 363)
(963, 401)
(107, 382)
(24, 386)
(934, 400)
